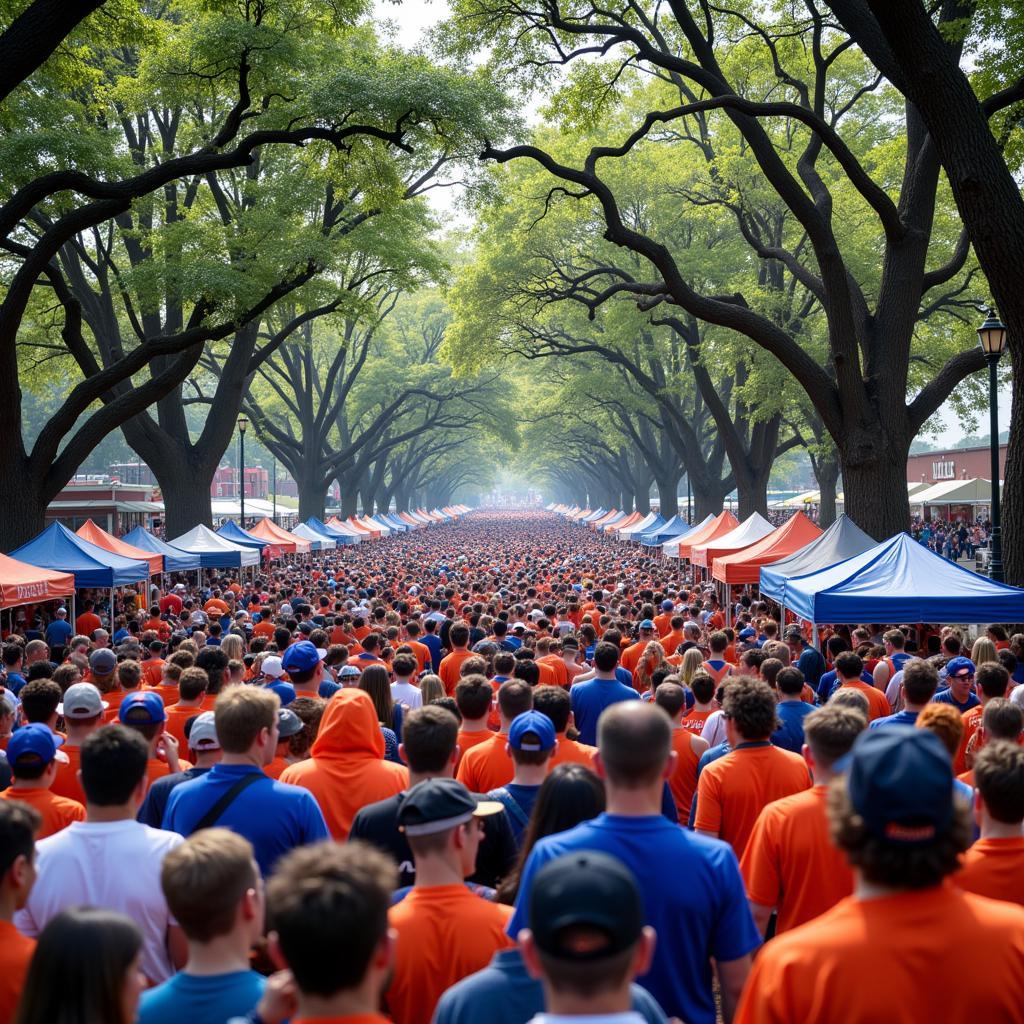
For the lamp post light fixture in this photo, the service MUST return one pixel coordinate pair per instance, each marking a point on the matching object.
(992, 339)
(243, 424)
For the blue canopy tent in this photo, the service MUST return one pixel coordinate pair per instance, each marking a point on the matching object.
(594, 516)
(318, 540)
(653, 521)
(318, 526)
(59, 549)
(675, 527)
(175, 560)
(231, 531)
(396, 524)
(842, 540)
(900, 580)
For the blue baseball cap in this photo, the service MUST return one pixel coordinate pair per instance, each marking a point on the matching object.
(746, 634)
(532, 730)
(647, 624)
(957, 665)
(33, 744)
(143, 707)
(667, 605)
(302, 657)
(900, 782)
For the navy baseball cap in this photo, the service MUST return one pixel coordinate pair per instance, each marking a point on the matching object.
(647, 624)
(667, 605)
(532, 730)
(585, 906)
(900, 782)
(957, 665)
(32, 745)
(302, 657)
(143, 707)
(437, 805)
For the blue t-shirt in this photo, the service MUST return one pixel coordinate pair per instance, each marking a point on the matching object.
(153, 807)
(273, 816)
(790, 735)
(15, 681)
(328, 688)
(207, 999)
(518, 802)
(900, 718)
(812, 664)
(946, 697)
(433, 643)
(58, 632)
(624, 676)
(589, 699)
(707, 916)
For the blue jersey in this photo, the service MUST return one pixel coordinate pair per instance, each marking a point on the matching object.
(589, 699)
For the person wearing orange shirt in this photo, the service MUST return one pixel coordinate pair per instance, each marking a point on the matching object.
(166, 687)
(458, 637)
(83, 711)
(675, 636)
(790, 864)
(556, 703)
(896, 820)
(153, 664)
(733, 790)
(671, 698)
(704, 703)
(444, 931)
(848, 668)
(548, 654)
(191, 691)
(19, 824)
(991, 682)
(488, 765)
(994, 865)
(215, 607)
(288, 725)
(663, 620)
(33, 756)
(473, 697)
(630, 657)
(339, 951)
(413, 631)
(88, 621)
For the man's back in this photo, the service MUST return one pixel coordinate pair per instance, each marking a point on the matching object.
(698, 907)
(589, 699)
(487, 765)
(937, 954)
(994, 868)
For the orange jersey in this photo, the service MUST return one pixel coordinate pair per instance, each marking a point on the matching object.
(693, 721)
(177, 716)
(994, 868)
(445, 933)
(66, 783)
(734, 789)
(487, 766)
(15, 954)
(558, 667)
(867, 961)
(449, 669)
(878, 706)
(152, 671)
(972, 722)
(572, 752)
(57, 812)
(683, 780)
(791, 863)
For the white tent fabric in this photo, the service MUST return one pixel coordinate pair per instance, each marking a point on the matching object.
(318, 540)
(214, 551)
(638, 528)
(670, 549)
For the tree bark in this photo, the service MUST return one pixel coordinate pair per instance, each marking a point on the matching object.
(668, 497)
(185, 488)
(826, 473)
(875, 488)
(23, 517)
(312, 498)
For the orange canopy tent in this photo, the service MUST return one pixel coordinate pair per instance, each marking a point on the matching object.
(596, 524)
(96, 535)
(624, 524)
(721, 524)
(21, 583)
(745, 566)
(287, 542)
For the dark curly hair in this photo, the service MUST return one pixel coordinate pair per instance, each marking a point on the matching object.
(750, 705)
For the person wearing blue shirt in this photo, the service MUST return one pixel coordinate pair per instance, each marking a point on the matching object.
(432, 642)
(59, 632)
(959, 692)
(704, 918)
(920, 681)
(273, 816)
(213, 890)
(590, 698)
(791, 711)
(803, 656)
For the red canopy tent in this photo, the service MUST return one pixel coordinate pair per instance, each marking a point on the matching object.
(287, 542)
(745, 566)
(721, 524)
(21, 583)
(97, 535)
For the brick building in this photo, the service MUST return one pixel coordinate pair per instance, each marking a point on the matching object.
(954, 464)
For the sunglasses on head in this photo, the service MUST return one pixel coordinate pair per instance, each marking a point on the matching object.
(964, 675)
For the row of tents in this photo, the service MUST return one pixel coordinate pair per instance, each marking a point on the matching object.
(57, 562)
(840, 575)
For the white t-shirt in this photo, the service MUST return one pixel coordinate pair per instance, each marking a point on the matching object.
(115, 865)
(407, 694)
(714, 729)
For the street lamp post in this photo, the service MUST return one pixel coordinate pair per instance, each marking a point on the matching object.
(243, 423)
(992, 339)
(273, 463)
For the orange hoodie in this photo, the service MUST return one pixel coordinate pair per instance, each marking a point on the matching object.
(347, 769)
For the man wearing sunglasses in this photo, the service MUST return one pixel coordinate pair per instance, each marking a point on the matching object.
(960, 692)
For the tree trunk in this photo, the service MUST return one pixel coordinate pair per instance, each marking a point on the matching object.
(826, 473)
(642, 500)
(875, 489)
(668, 497)
(24, 517)
(752, 491)
(312, 499)
(186, 492)
(349, 501)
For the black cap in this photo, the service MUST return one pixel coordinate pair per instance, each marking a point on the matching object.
(585, 891)
(436, 805)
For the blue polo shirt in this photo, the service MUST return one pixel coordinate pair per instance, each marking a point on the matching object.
(900, 718)
(706, 917)
(272, 815)
(946, 697)
(198, 998)
(589, 699)
(790, 734)
(58, 633)
(433, 643)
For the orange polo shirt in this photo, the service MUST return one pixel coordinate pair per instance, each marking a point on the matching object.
(487, 765)
(878, 706)
(66, 784)
(683, 780)
(449, 669)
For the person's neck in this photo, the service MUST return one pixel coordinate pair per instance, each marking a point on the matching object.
(865, 890)
(104, 815)
(435, 870)
(784, 699)
(822, 776)
(252, 758)
(182, 703)
(634, 803)
(23, 784)
(916, 708)
(416, 777)
(350, 1002)
(474, 724)
(530, 774)
(992, 829)
(406, 681)
(600, 674)
(709, 706)
(224, 954)
(571, 1004)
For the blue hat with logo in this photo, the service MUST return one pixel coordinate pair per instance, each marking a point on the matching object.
(532, 730)
(900, 782)
(143, 707)
(957, 665)
(302, 657)
(33, 744)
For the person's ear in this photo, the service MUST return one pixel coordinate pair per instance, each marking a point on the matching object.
(384, 954)
(528, 948)
(978, 808)
(274, 951)
(599, 766)
(644, 953)
(808, 757)
(670, 765)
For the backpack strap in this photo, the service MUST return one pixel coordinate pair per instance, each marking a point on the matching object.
(213, 815)
(512, 808)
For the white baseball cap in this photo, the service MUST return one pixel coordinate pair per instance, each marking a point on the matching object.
(272, 667)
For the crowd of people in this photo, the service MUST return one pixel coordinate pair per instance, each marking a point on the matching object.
(504, 770)
(953, 539)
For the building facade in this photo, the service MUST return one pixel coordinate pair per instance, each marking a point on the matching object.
(954, 464)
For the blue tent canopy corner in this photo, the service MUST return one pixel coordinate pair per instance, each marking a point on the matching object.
(233, 532)
(175, 560)
(92, 566)
(319, 526)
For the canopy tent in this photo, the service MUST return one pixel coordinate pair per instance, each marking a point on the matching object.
(317, 541)
(174, 559)
(915, 486)
(338, 536)
(407, 518)
(670, 549)
(976, 491)
(615, 516)
(231, 531)
(267, 529)
(353, 524)
(596, 517)
(375, 528)
(215, 551)
(675, 527)
(94, 535)
(842, 540)
(383, 520)
(749, 532)
(60, 550)
(720, 525)
(419, 517)
(613, 527)
(649, 522)
(900, 580)
(799, 500)
(21, 583)
(395, 523)
(745, 566)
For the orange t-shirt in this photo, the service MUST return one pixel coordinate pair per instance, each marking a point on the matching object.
(630, 657)
(733, 790)
(557, 666)
(791, 863)
(86, 623)
(15, 953)
(157, 769)
(449, 669)
(152, 671)
(683, 780)
(572, 752)
(693, 721)
(972, 723)
(177, 716)
(994, 868)
(671, 641)
(878, 706)
(663, 624)
(421, 652)
(936, 954)
(468, 740)
(445, 933)
(66, 784)
(265, 627)
(275, 767)
(167, 692)
(57, 812)
(487, 766)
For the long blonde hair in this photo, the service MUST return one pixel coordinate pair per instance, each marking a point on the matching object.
(693, 660)
(983, 651)
(431, 688)
(233, 646)
(650, 661)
